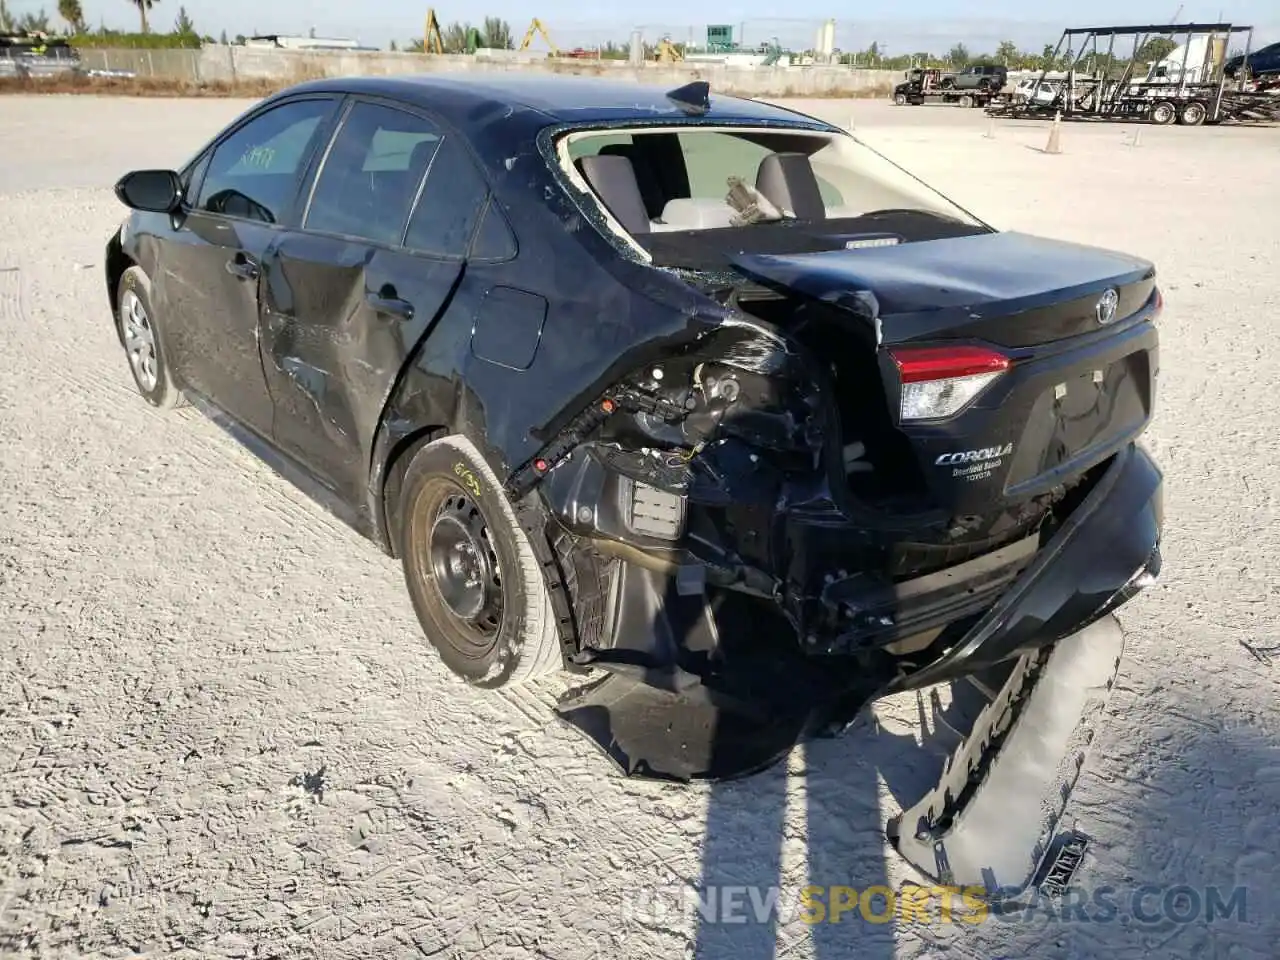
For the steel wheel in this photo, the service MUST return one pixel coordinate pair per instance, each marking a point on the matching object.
(900, 99)
(1163, 112)
(139, 340)
(465, 571)
(966, 101)
(1193, 114)
(478, 590)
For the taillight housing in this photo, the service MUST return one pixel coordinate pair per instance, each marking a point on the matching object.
(939, 382)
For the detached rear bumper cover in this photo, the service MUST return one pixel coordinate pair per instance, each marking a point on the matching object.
(987, 823)
(721, 727)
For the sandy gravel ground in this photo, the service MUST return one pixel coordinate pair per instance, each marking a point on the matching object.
(220, 732)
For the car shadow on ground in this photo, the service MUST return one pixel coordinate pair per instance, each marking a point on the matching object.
(823, 813)
(1153, 881)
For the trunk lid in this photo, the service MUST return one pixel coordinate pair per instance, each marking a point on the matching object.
(1008, 288)
(1070, 325)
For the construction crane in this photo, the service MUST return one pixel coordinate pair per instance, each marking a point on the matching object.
(668, 52)
(432, 33)
(537, 27)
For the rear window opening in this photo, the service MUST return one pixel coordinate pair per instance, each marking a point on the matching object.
(690, 196)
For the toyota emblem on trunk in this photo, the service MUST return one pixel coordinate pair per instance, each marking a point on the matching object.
(1106, 308)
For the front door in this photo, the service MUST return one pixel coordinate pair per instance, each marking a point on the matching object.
(349, 294)
(212, 266)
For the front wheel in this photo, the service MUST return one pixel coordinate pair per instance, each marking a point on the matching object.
(472, 576)
(140, 336)
(900, 99)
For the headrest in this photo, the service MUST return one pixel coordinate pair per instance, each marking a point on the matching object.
(613, 178)
(788, 181)
(422, 152)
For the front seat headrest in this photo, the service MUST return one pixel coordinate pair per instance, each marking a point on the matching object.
(788, 181)
(613, 178)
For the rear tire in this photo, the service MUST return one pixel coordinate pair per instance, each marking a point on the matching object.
(1164, 113)
(140, 335)
(1193, 114)
(473, 579)
(966, 101)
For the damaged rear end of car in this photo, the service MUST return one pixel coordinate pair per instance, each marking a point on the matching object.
(895, 446)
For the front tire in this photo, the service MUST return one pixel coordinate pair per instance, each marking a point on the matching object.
(472, 576)
(140, 336)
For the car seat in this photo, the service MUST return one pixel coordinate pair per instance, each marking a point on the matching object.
(787, 180)
(613, 179)
(650, 188)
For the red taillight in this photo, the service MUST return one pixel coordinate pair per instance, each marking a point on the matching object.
(919, 364)
(939, 382)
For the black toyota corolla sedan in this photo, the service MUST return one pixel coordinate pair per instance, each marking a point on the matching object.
(697, 391)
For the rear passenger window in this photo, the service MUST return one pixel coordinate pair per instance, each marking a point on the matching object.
(371, 175)
(452, 199)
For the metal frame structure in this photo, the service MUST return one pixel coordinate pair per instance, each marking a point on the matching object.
(1099, 94)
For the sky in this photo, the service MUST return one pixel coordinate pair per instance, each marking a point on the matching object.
(933, 25)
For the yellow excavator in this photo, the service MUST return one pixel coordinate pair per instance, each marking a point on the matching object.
(537, 27)
(668, 52)
(433, 39)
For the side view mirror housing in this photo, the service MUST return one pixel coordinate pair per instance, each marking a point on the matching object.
(155, 191)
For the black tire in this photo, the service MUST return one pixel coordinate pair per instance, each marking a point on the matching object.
(1192, 114)
(900, 99)
(966, 101)
(1164, 113)
(484, 606)
(134, 314)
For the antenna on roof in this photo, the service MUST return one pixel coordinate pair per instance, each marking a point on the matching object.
(692, 97)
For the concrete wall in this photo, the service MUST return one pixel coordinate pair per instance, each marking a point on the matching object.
(228, 64)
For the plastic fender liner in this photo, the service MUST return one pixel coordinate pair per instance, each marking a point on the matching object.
(989, 821)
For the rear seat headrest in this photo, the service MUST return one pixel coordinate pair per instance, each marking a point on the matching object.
(788, 181)
(613, 178)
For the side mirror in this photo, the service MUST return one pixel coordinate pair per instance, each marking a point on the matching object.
(155, 191)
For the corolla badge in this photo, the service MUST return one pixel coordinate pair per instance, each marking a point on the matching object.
(1106, 307)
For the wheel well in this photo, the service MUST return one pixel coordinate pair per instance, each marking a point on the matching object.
(117, 263)
(398, 461)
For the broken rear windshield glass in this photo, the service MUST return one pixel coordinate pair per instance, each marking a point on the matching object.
(688, 195)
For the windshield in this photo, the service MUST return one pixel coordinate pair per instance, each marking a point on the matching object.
(684, 195)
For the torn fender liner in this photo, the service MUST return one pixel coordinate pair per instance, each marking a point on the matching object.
(702, 690)
(989, 821)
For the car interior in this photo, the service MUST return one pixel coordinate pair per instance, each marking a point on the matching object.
(628, 182)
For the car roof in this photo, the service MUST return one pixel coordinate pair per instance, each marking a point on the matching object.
(469, 100)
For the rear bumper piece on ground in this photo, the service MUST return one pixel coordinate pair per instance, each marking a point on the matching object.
(709, 688)
(988, 822)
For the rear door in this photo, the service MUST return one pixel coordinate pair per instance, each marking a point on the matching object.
(352, 291)
(245, 190)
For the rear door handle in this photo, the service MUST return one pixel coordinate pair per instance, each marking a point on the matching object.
(243, 266)
(386, 301)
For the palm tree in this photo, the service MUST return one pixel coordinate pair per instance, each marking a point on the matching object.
(73, 13)
(143, 6)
